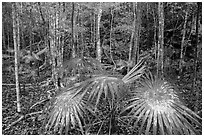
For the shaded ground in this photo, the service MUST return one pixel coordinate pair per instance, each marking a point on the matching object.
(31, 94)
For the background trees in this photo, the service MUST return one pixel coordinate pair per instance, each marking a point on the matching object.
(48, 35)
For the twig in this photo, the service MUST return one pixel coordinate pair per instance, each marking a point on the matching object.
(8, 84)
(33, 113)
(37, 103)
(15, 122)
(22, 117)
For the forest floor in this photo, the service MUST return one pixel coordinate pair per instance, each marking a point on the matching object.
(14, 123)
(29, 96)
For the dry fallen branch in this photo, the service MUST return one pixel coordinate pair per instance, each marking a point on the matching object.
(22, 117)
(38, 103)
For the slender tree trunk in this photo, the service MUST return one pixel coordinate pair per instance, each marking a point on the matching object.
(155, 32)
(53, 46)
(183, 43)
(160, 60)
(132, 35)
(98, 46)
(94, 29)
(3, 36)
(31, 36)
(73, 31)
(82, 36)
(199, 7)
(137, 33)
(91, 33)
(111, 25)
(16, 45)
(8, 40)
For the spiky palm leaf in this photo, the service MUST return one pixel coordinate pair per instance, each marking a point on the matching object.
(67, 112)
(98, 87)
(69, 106)
(156, 108)
(136, 72)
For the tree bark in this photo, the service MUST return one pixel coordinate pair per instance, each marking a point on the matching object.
(132, 35)
(155, 31)
(73, 31)
(53, 46)
(183, 43)
(30, 31)
(16, 40)
(137, 33)
(111, 25)
(3, 36)
(98, 44)
(160, 59)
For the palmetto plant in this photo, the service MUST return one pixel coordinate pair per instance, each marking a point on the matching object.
(153, 105)
(156, 108)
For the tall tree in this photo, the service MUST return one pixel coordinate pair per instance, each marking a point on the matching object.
(155, 29)
(73, 31)
(111, 28)
(132, 34)
(98, 44)
(53, 46)
(137, 32)
(183, 42)
(16, 39)
(135, 36)
(160, 49)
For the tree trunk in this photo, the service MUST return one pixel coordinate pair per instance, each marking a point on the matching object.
(199, 7)
(81, 35)
(98, 46)
(94, 29)
(132, 35)
(3, 36)
(16, 40)
(30, 31)
(53, 46)
(183, 43)
(137, 33)
(111, 25)
(73, 31)
(155, 32)
(160, 59)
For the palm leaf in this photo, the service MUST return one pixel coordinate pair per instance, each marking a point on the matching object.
(158, 110)
(67, 112)
(98, 87)
(136, 72)
(70, 106)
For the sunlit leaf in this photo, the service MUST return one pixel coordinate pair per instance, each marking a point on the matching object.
(157, 104)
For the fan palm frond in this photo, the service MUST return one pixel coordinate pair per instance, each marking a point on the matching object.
(69, 106)
(101, 86)
(136, 72)
(156, 108)
(67, 112)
